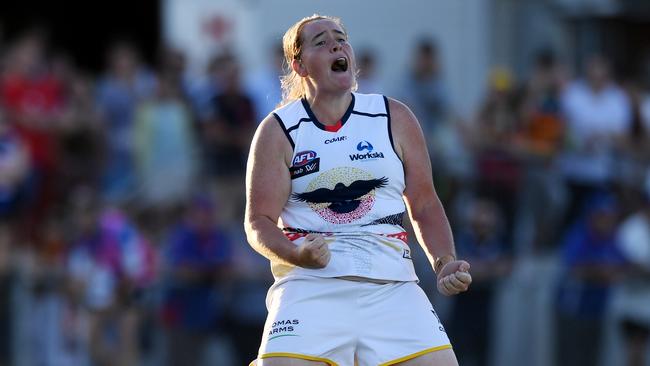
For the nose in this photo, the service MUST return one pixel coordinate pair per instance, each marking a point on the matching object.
(336, 46)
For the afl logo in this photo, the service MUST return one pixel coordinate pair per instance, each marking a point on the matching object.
(303, 158)
(364, 145)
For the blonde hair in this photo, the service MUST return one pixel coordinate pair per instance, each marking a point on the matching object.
(293, 86)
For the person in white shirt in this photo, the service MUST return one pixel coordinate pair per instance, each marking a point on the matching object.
(598, 114)
(330, 176)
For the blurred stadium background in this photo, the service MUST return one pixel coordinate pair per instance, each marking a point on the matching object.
(124, 129)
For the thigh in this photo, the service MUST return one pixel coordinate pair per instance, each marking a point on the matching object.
(310, 320)
(445, 357)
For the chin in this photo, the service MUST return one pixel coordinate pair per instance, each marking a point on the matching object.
(345, 83)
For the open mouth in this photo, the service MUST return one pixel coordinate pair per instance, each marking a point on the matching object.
(340, 65)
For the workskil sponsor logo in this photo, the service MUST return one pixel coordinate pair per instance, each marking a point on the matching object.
(366, 152)
(304, 163)
(364, 145)
(367, 156)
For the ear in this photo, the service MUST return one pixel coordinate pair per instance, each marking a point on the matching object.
(299, 68)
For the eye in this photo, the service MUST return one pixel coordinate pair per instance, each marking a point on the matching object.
(341, 40)
(320, 43)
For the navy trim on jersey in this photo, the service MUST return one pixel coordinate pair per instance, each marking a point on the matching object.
(301, 231)
(390, 132)
(286, 132)
(317, 123)
(395, 219)
(294, 127)
(370, 114)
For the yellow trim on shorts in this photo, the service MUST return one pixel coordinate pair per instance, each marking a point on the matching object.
(302, 357)
(414, 355)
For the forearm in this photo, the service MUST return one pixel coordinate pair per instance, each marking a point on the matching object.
(268, 240)
(433, 232)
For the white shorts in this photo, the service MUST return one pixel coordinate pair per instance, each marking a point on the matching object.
(339, 321)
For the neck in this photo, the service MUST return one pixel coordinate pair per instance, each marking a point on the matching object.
(329, 108)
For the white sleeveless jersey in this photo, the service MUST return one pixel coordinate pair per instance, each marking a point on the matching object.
(348, 186)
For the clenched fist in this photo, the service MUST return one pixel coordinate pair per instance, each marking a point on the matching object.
(314, 252)
(454, 278)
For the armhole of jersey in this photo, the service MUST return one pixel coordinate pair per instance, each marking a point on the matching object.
(390, 132)
(286, 133)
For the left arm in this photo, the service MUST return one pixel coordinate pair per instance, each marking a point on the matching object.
(427, 215)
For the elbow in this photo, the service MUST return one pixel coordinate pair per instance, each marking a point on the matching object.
(252, 227)
(425, 209)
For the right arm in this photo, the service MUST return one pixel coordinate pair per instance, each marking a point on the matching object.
(268, 186)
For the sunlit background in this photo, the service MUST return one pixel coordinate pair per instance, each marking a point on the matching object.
(125, 126)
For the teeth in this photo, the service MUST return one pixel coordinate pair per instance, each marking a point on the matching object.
(340, 64)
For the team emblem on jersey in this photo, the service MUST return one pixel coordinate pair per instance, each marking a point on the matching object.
(342, 195)
(305, 162)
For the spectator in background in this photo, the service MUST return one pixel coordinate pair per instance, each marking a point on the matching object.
(498, 166)
(249, 283)
(110, 266)
(367, 80)
(165, 152)
(15, 172)
(31, 95)
(481, 240)
(56, 333)
(204, 88)
(197, 258)
(172, 68)
(633, 158)
(598, 115)
(541, 137)
(631, 306)
(32, 99)
(195, 90)
(264, 84)
(593, 264)
(226, 138)
(81, 135)
(541, 112)
(498, 121)
(124, 84)
(424, 90)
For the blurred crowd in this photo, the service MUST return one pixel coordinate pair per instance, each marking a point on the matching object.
(122, 197)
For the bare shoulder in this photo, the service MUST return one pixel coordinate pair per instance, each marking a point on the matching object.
(404, 125)
(268, 161)
(270, 140)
